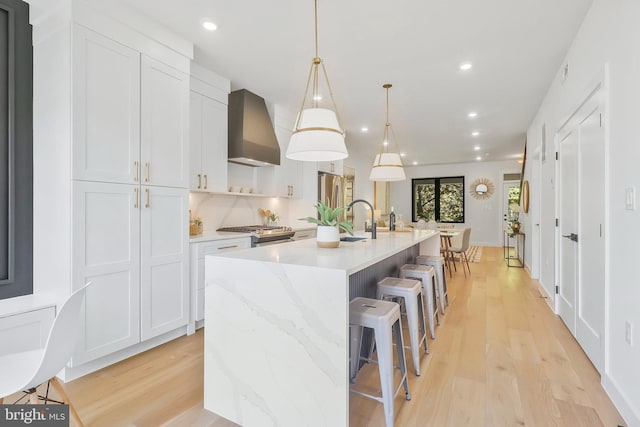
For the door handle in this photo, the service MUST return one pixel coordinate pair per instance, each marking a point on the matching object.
(136, 205)
(206, 182)
(147, 166)
(146, 190)
(136, 175)
(199, 181)
(573, 237)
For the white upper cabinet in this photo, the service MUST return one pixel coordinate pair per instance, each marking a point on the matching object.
(289, 173)
(164, 125)
(106, 109)
(164, 290)
(335, 167)
(208, 146)
(288, 176)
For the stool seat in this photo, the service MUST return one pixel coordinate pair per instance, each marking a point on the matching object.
(426, 274)
(410, 290)
(373, 313)
(384, 318)
(438, 263)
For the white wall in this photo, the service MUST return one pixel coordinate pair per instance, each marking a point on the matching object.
(610, 34)
(483, 216)
(224, 211)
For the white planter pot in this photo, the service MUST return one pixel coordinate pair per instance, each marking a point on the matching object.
(328, 236)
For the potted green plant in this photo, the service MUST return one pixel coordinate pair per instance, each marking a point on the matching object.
(515, 223)
(329, 225)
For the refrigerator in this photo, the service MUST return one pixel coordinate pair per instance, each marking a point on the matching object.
(331, 191)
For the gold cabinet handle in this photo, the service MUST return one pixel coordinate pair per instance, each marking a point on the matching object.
(206, 182)
(146, 190)
(227, 247)
(136, 205)
(136, 176)
(147, 167)
(199, 181)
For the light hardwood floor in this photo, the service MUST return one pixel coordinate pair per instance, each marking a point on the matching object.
(500, 358)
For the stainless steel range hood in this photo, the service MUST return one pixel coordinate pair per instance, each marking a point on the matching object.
(252, 140)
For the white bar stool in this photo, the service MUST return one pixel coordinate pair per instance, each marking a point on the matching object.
(410, 290)
(426, 274)
(384, 318)
(438, 263)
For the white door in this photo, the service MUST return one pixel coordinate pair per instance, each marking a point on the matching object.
(591, 296)
(582, 216)
(568, 228)
(164, 288)
(214, 145)
(510, 194)
(106, 251)
(106, 109)
(164, 151)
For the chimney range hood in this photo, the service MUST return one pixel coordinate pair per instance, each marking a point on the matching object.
(252, 140)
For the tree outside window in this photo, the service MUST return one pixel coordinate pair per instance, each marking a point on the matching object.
(439, 199)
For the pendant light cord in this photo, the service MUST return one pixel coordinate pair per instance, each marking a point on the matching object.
(385, 148)
(316, 24)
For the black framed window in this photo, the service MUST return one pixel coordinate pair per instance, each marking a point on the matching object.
(440, 199)
(16, 155)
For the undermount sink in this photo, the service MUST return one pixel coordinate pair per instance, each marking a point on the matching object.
(351, 238)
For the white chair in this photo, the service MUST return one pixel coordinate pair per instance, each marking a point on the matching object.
(24, 371)
(461, 247)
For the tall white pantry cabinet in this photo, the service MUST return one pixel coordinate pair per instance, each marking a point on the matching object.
(114, 210)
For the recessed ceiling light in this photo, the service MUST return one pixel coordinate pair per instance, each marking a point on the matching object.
(475, 133)
(478, 158)
(403, 154)
(472, 115)
(364, 129)
(209, 26)
(466, 66)
(415, 163)
(477, 148)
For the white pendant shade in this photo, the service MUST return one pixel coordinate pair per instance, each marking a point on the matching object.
(317, 137)
(387, 167)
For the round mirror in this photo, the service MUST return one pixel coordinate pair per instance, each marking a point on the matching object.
(525, 196)
(481, 188)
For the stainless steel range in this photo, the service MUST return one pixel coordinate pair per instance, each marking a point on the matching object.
(262, 235)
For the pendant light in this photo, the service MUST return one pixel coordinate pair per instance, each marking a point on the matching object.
(387, 165)
(317, 135)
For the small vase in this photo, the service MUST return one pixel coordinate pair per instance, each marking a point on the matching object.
(515, 227)
(328, 236)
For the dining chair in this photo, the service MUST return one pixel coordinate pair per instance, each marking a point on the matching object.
(462, 250)
(26, 370)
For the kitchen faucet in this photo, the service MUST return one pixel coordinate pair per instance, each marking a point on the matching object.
(373, 219)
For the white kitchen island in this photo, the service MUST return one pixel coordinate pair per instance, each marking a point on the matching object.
(276, 349)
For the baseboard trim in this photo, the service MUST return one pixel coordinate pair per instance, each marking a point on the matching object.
(70, 374)
(630, 414)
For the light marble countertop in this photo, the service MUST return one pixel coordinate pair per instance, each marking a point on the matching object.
(350, 256)
(216, 235)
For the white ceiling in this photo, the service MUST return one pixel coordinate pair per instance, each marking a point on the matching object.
(516, 47)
